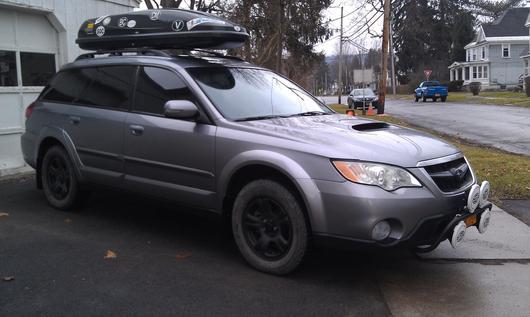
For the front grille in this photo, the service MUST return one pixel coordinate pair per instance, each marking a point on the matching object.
(451, 176)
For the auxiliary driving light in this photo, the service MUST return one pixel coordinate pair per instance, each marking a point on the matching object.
(381, 231)
(484, 221)
(458, 234)
(473, 198)
(484, 192)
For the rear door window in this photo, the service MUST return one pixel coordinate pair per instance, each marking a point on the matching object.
(155, 87)
(109, 87)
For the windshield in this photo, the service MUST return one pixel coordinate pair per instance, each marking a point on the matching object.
(247, 94)
(363, 92)
(431, 84)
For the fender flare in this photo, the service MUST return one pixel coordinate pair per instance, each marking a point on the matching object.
(64, 139)
(285, 165)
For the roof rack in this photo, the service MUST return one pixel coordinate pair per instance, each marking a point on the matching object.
(121, 52)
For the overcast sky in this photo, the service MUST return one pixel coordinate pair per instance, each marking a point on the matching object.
(355, 18)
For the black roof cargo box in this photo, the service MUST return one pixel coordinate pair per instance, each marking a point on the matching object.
(168, 28)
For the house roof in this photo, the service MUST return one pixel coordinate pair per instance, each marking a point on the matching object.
(511, 23)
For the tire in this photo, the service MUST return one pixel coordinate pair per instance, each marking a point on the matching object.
(434, 99)
(424, 98)
(59, 181)
(349, 104)
(444, 99)
(267, 211)
(416, 98)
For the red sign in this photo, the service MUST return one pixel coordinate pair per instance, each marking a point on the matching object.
(427, 73)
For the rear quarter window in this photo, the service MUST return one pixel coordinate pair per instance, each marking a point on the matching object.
(65, 86)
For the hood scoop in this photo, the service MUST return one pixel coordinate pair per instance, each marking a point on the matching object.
(371, 126)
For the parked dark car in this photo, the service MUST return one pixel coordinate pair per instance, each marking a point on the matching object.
(362, 97)
(430, 90)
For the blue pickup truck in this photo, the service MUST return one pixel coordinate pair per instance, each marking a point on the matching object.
(430, 90)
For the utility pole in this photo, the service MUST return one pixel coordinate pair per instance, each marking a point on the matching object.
(340, 55)
(384, 62)
(392, 59)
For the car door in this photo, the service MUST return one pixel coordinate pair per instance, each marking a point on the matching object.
(166, 157)
(95, 122)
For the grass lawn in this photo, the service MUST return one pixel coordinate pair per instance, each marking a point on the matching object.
(502, 98)
(509, 174)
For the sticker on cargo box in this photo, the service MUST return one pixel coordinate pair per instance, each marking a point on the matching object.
(198, 21)
(100, 31)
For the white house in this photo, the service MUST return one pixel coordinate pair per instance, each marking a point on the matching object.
(494, 57)
(36, 38)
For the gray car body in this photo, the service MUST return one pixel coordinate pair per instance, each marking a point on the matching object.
(198, 162)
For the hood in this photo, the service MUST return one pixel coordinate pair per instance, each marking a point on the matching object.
(344, 137)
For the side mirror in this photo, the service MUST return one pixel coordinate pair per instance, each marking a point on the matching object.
(180, 109)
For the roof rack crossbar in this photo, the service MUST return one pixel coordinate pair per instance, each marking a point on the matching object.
(120, 52)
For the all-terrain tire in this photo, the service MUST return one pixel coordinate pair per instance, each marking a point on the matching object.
(59, 180)
(246, 228)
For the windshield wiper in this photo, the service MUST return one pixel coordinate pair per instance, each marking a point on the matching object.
(309, 113)
(270, 116)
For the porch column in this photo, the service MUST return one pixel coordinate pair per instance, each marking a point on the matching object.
(451, 74)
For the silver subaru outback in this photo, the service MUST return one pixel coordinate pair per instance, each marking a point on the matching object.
(246, 143)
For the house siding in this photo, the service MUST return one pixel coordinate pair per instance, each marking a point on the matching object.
(506, 71)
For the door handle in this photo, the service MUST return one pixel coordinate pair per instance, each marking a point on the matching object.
(74, 119)
(136, 130)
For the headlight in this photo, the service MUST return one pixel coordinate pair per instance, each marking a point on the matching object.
(385, 176)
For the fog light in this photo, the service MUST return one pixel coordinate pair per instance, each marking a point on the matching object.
(484, 221)
(484, 192)
(459, 233)
(381, 231)
(473, 198)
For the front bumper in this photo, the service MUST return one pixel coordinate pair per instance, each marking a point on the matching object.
(347, 213)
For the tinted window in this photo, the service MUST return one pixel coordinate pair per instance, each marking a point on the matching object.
(109, 86)
(8, 69)
(37, 68)
(66, 86)
(155, 87)
(241, 93)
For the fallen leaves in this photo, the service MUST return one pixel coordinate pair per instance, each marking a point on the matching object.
(110, 255)
(8, 278)
(67, 220)
(4, 214)
(182, 256)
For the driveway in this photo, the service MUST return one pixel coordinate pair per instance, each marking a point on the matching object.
(503, 127)
(165, 261)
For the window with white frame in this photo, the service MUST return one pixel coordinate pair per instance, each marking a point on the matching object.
(479, 72)
(505, 50)
(36, 68)
(485, 72)
(483, 52)
(474, 72)
(468, 55)
(474, 57)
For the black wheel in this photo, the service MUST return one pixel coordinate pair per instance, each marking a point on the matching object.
(416, 98)
(349, 104)
(434, 99)
(269, 227)
(59, 181)
(423, 98)
(444, 99)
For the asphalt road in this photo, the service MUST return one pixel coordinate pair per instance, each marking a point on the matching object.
(172, 262)
(503, 127)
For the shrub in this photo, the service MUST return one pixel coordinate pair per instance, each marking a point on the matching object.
(455, 85)
(475, 87)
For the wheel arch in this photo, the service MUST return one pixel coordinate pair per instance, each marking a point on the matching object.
(49, 138)
(266, 165)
